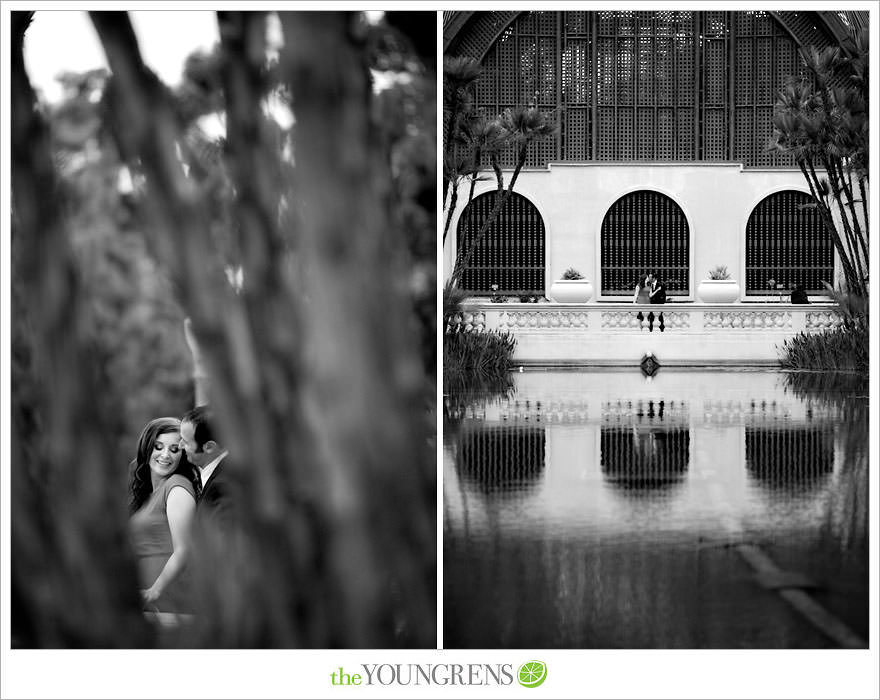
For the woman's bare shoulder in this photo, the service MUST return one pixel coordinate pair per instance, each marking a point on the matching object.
(176, 480)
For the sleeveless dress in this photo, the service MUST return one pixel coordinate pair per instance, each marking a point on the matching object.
(151, 540)
(644, 296)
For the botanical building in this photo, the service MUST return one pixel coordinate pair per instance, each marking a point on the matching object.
(660, 161)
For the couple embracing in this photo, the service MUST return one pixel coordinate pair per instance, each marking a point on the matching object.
(649, 290)
(178, 491)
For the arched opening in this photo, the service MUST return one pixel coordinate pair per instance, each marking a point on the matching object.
(511, 255)
(787, 246)
(645, 232)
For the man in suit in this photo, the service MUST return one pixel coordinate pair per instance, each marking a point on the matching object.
(658, 296)
(658, 291)
(205, 451)
(216, 538)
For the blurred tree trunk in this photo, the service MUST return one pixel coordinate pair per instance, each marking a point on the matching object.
(363, 380)
(316, 382)
(73, 579)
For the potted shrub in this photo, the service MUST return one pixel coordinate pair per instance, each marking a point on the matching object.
(718, 288)
(571, 288)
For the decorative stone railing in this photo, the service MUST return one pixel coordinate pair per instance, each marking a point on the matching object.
(616, 333)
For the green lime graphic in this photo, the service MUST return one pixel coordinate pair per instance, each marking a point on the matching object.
(532, 673)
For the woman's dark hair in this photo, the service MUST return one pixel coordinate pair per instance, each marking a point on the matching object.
(140, 484)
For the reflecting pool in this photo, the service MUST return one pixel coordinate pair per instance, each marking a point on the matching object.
(692, 509)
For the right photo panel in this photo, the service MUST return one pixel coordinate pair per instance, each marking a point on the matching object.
(655, 317)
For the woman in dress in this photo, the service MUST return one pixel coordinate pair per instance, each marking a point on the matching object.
(163, 504)
(642, 294)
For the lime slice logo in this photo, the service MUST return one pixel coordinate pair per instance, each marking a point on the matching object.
(532, 673)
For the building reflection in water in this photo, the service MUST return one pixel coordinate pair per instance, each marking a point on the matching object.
(644, 457)
(501, 459)
(796, 459)
(605, 522)
(644, 449)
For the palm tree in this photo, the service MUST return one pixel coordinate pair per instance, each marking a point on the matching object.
(521, 127)
(825, 128)
(474, 140)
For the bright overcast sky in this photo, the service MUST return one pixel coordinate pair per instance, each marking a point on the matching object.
(59, 41)
(62, 40)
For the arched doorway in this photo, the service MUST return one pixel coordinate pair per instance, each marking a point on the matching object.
(645, 232)
(512, 253)
(786, 242)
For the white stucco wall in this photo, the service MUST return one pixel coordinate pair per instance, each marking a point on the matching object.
(574, 198)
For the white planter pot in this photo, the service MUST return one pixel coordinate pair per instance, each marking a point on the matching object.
(571, 291)
(718, 291)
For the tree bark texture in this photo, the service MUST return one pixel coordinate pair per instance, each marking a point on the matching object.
(316, 376)
(73, 578)
(363, 386)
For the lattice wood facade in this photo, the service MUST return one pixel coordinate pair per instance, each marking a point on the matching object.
(671, 86)
(786, 242)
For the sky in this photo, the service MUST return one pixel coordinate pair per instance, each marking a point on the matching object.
(63, 40)
(165, 38)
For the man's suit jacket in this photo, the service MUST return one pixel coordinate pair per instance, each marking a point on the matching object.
(216, 503)
(216, 552)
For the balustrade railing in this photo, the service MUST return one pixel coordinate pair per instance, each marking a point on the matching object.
(617, 317)
(603, 333)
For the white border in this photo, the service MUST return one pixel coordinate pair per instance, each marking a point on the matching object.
(285, 674)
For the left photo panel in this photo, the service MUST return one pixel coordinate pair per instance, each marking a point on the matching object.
(223, 330)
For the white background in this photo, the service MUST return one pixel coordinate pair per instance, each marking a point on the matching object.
(289, 674)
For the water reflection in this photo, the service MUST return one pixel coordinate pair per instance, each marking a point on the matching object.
(501, 460)
(796, 459)
(462, 398)
(643, 444)
(644, 457)
(608, 504)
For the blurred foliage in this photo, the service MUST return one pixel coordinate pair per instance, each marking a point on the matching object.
(138, 320)
(137, 323)
(325, 390)
(404, 113)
